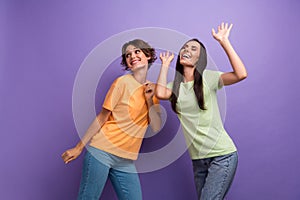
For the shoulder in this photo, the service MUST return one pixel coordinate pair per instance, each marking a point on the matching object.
(121, 80)
(211, 73)
(212, 78)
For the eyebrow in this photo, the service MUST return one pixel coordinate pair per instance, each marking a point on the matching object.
(193, 46)
(135, 48)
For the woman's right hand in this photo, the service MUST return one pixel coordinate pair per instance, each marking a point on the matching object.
(162, 92)
(166, 58)
(71, 154)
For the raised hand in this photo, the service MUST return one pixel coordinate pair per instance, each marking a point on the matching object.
(223, 32)
(166, 58)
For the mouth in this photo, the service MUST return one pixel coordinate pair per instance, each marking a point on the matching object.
(134, 61)
(185, 56)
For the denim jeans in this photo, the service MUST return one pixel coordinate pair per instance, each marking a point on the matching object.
(98, 166)
(213, 176)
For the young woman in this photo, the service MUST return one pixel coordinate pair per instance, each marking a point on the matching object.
(115, 136)
(193, 97)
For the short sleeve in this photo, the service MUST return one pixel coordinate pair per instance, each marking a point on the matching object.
(113, 95)
(213, 79)
(170, 85)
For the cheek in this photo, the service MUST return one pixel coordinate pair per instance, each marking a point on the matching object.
(127, 61)
(195, 59)
(145, 59)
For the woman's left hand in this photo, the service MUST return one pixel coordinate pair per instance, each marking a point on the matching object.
(223, 32)
(149, 90)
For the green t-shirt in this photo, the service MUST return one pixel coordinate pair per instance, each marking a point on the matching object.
(203, 129)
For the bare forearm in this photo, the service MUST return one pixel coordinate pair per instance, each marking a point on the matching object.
(162, 78)
(94, 128)
(237, 64)
(154, 116)
(73, 153)
(161, 87)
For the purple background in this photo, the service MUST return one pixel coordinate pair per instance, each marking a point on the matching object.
(43, 43)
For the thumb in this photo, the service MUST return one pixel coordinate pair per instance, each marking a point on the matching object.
(213, 31)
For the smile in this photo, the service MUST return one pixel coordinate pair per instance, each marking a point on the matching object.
(134, 62)
(186, 56)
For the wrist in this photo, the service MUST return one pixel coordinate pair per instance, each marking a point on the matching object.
(224, 41)
(165, 65)
(80, 146)
(149, 102)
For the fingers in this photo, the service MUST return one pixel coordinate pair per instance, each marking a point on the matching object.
(161, 56)
(67, 157)
(149, 87)
(225, 26)
(166, 55)
(69, 160)
(230, 27)
(213, 31)
(172, 56)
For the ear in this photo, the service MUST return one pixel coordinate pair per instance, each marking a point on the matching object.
(148, 57)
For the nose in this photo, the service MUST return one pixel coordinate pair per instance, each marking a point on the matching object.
(186, 50)
(132, 55)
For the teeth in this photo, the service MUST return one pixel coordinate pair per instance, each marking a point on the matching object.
(185, 56)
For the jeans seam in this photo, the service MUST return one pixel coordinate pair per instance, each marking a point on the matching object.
(121, 186)
(224, 177)
(87, 173)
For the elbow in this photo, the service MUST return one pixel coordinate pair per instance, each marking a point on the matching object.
(242, 77)
(159, 94)
(162, 94)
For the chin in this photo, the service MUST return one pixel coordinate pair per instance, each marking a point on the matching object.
(185, 63)
(137, 67)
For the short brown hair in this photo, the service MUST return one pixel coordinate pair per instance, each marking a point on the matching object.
(144, 46)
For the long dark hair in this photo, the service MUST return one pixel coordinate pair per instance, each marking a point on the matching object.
(198, 82)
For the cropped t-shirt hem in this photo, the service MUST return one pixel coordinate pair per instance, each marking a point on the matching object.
(214, 155)
(130, 156)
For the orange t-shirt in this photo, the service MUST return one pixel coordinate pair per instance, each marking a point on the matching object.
(123, 132)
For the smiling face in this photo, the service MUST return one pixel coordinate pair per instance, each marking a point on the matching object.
(135, 58)
(189, 53)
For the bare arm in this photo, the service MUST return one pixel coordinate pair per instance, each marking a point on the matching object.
(239, 71)
(162, 92)
(154, 109)
(73, 153)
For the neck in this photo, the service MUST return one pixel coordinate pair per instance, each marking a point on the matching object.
(188, 73)
(140, 75)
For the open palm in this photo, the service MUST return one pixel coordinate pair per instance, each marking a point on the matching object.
(166, 58)
(223, 32)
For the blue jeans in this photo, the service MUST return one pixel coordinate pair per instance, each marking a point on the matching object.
(213, 176)
(98, 166)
